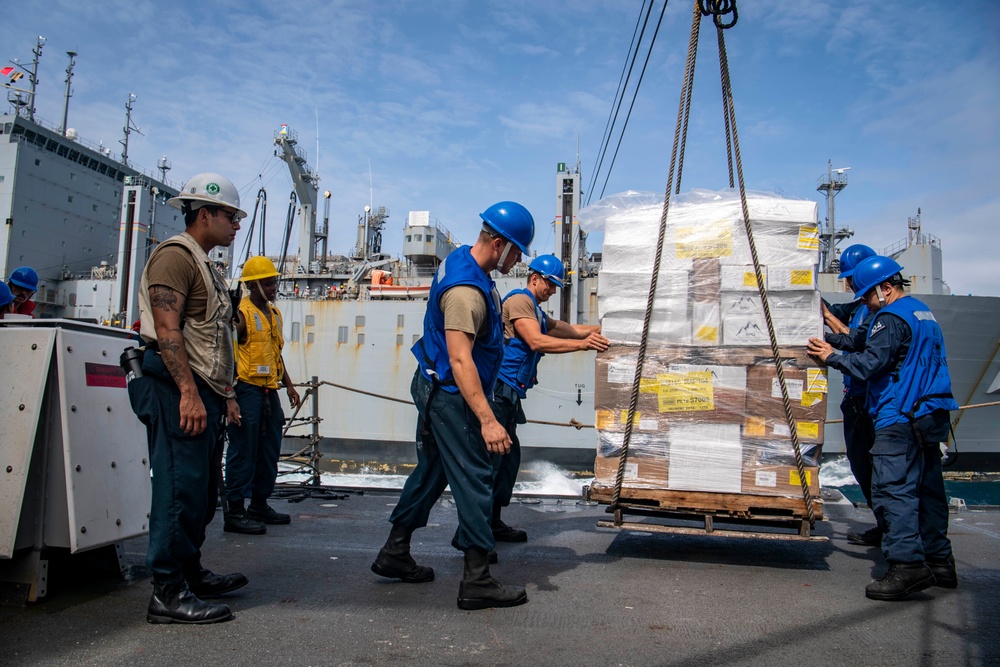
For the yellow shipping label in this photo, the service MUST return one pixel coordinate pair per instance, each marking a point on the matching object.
(707, 334)
(749, 279)
(604, 419)
(711, 240)
(811, 398)
(635, 417)
(794, 479)
(808, 237)
(648, 386)
(816, 380)
(801, 277)
(807, 429)
(755, 427)
(685, 392)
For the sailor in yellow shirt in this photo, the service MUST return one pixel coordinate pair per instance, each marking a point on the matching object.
(255, 442)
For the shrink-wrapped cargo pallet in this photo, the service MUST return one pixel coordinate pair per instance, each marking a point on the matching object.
(709, 416)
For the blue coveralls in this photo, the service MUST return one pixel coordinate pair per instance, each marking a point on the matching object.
(185, 470)
(254, 444)
(859, 433)
(450, 446)
(518, 374)
(909, 397)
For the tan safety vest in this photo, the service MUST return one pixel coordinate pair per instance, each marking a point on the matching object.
(259, 359)
(209, 343)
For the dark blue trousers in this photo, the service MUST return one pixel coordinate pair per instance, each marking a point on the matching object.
(506, 406)
(859, 434)
(450, 452)
(254, 445)
(908, 490)
(185, 470)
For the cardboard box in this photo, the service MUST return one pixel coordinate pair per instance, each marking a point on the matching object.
(776, 428)
(641, 472)
(777, 480)
(807, 392)
(705, 280)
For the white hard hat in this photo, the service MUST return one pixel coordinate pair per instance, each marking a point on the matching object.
(208, 190)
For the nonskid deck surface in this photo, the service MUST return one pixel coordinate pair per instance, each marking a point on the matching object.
(597, 597)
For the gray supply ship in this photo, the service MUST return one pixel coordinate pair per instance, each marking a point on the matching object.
(87, 220)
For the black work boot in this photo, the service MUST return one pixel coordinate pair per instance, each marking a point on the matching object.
(492, 555)
(205, 583)
(479, 590)
(172, 602)
(395, 562)
(870, 538)
(944, 571)
(238, 521)
(901, 580)
(504, 533)
(264, 513)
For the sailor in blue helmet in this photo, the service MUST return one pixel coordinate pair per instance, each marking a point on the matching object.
(529, 334)
(909, 399)
(848, 323)
(458, 435)
(23, 284)
(6, 300)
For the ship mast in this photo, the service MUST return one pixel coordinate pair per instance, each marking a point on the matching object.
(306, 184)
(836, 180)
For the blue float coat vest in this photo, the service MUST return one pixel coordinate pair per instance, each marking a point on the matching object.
(520, 362)
(460, 268)
(921, 385)
(854, 387)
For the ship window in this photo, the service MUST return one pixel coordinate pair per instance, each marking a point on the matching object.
(408, 238)
(74, 155)
(361, 339)
(1, 178)
(70, 199)
(63, 151)
(72, 176)
(310, 320)
(359, 321)
(296, 331)
(92, 164)
(429, 237)
(103, 169)
(93, 206)
(310, 337)
(52, 145)
(418, 237)
(6, 128)
(341, 334)
(399, 339)
(399, 321)
(416, 337)
(38, 162)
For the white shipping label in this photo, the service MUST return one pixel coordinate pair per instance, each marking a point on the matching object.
(766, 478)
(648, 424)
(619, 373)
(631, 471)
(794, 389)
(782, 430)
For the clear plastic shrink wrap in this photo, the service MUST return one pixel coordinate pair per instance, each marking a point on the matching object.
(709, 414)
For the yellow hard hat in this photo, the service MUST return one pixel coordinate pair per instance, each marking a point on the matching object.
(258, 268)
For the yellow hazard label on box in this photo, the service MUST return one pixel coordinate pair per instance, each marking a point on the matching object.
(816, 380)
(807, 429)
(811, 398)
(707, 334)
(795, 480)
(801, 277)
(604, 419)
(635, 417)
(808, 237)
(749, 279)
(755, 427)
(711, 240)
(685, 392)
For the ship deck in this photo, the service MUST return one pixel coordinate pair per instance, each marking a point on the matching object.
(597, 597)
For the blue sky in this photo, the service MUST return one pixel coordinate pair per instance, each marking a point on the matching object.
(456, 105)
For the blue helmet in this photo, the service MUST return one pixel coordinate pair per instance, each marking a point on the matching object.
(548, 267)
(26, 277)
(6, 296)
(851, 257)
(511, 221)
(872, 272)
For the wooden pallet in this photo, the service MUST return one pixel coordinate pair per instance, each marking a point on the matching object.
(721, 514)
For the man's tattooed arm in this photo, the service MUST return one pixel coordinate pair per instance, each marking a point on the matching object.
(168, 308)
